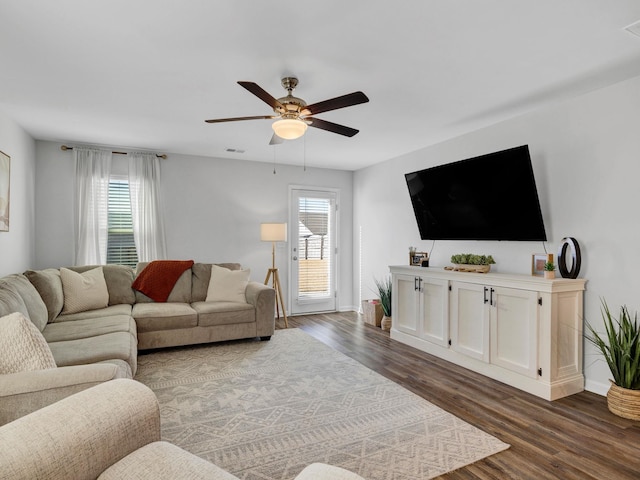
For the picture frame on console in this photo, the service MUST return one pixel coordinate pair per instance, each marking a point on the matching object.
(417, 258)
(537, 263)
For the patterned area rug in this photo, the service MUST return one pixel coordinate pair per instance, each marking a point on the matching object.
(265, 410)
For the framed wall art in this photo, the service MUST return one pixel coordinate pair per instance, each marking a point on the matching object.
(5, 168)
(537, 263)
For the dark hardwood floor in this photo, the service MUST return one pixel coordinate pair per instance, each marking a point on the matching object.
(571, 438)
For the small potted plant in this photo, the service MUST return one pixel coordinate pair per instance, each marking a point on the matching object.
(621, 349)
(549, 270)
(384, 292)
(468, 262)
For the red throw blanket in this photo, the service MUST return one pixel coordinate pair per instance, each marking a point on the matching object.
(159, 277)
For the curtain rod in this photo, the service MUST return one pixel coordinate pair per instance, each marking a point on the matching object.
(65, 148)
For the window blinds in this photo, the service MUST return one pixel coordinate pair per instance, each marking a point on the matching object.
(314, 248)
(121, 248)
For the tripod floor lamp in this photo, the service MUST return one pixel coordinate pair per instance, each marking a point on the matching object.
(275, 232)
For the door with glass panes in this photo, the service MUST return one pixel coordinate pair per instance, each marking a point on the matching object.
(313, 251)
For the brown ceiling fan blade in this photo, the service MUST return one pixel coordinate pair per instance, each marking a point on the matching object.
(236, 119)
(347, 100)
(276, 140)
(262, 94)
(332, 127)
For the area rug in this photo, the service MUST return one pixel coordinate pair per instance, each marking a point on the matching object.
(265, 410)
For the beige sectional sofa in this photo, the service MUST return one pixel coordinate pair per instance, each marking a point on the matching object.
(93, 346)
(111, 431)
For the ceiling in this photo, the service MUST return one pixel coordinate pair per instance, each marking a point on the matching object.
(146, 74)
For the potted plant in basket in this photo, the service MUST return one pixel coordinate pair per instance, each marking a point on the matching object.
(621, 349)
(384, 292)
(549, 270)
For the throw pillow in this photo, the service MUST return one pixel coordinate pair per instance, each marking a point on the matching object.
(22, 346)
(83, 291)
(227, 285)
(49, 286)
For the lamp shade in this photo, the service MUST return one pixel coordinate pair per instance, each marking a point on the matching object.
(289, 128)
(273, 232)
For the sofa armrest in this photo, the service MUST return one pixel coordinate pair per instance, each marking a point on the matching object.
(25, 392)
(263, 298)
(82, 435)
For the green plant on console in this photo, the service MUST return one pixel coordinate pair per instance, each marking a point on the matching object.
(549, 267)
(471, 259)
(620, 347)
(384, 292)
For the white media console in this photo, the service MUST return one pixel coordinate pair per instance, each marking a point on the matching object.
(522, 330)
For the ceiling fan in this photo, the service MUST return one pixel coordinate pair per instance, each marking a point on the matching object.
(293, 113)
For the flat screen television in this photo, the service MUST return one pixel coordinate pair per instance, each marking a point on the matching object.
(490, 197)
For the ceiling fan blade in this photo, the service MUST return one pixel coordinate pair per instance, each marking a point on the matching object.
(347, 100)
(236, 119)
(263, 95)
(332, 127)
(275, 140)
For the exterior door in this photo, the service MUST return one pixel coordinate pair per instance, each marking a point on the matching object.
(313, 226)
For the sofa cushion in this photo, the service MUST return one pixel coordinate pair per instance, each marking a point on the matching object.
(181, 292)
(122, 309)
(164, 460)
(35, 306)
(11, 301)
(83, 291)
(227, 285)
(62, 331)
(22, 346)
(150, 317)
(118, 279)
(49, 286)
(200, 279)
(116, 345)
(223, 313)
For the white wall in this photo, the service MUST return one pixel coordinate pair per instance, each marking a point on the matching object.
(17, 245)
(213, 210)
(586, 159)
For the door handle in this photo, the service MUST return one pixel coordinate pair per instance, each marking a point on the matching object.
(485, 295)
(415, 284)
(295, 258)
(491, 297)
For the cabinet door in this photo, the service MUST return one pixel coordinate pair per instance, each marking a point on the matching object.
(514, 330)
(470, 320)
(434, 303)
(405, 304)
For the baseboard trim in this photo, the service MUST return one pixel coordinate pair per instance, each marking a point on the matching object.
(596, 387)
(348, 308)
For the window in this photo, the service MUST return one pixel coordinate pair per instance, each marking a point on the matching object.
(314, 247)
(121, 247)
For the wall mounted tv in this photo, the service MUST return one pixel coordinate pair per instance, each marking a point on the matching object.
(491, 197)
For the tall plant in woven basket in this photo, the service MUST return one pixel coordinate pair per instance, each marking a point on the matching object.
(620, 346)
(384, 291)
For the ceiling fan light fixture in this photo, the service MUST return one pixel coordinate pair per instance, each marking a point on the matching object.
(289, 128)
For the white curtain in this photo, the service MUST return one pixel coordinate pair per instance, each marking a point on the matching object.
(91, 204)
(146, 213)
